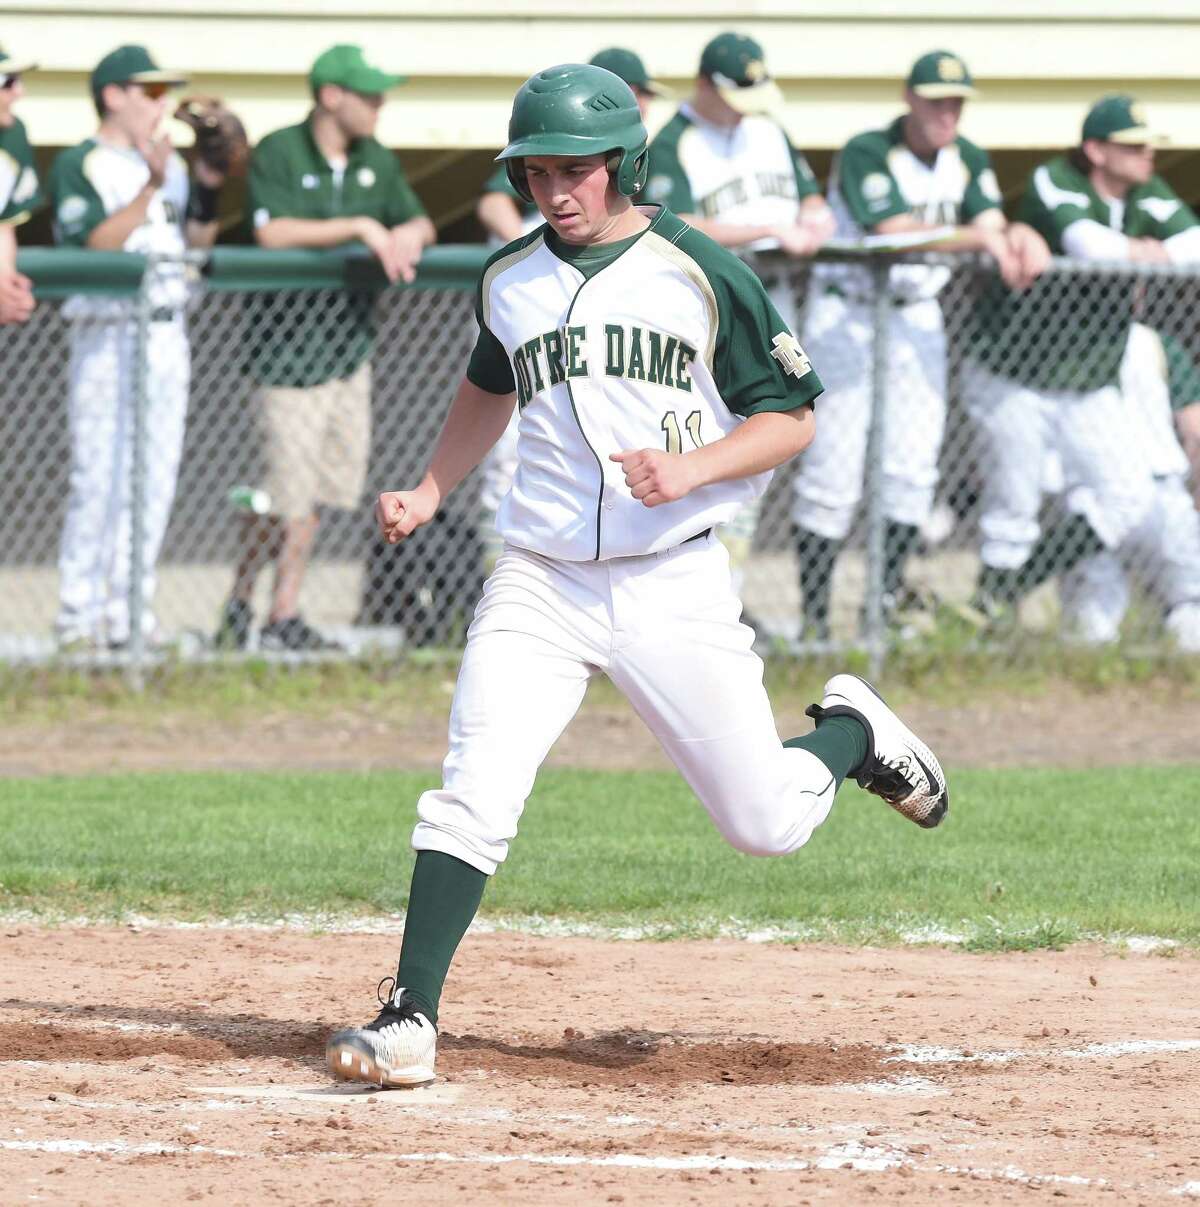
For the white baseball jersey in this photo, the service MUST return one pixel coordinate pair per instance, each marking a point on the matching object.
(877, 176)
(748, 173)
(94, 180)
(663, 341)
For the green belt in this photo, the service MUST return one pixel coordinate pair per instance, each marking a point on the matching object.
(164, 314)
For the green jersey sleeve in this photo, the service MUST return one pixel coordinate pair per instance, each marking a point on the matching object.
(983, 189)
(666, 181)
(1158, 211)
(866, 183)
(403, 204)
(758, 364)
(1057, 196)
(489, 367)
(78, 209)
(20, 189)
(806, 178)
(1183, 376)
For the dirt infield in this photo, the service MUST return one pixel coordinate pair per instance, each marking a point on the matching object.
(1064, 725)
(173, 1065)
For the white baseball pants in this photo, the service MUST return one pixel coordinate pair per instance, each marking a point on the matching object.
(94, 557)
(1106, 478)
(665, 630)
(828, 485)
(1162, 554)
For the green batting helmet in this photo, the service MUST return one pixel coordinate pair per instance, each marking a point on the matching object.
(577, 109)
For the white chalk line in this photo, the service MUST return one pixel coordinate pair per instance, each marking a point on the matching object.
(853, 1155)
(925, 1054)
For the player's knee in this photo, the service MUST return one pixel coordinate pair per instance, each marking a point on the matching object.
(760, 835)
(1127, 509)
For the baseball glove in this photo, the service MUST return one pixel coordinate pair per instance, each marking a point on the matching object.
(221, 140)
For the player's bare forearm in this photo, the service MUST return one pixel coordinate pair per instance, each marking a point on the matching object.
(763, 442)
(201, 234)
(728, 234)
(8, 249)
(499, 216)
(110, 235)
(307, 232)
(474, 423)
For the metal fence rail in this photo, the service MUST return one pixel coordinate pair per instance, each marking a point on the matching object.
(988, 465)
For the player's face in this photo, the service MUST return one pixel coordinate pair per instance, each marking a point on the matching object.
(574, 195)
(1130, 163)
(936, 120)
(643, 99)
(358, 112)
(138, 109)
(11, 91)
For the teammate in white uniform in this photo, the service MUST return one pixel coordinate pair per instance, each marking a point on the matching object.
(506, 216)
(20, 194)
(726, 166)
(658, 389)
(918, 174)
(1162, 552)
(1043, 374)
(124, 189)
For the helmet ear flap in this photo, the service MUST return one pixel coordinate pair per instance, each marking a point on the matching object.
(629, 171)
(517, 178)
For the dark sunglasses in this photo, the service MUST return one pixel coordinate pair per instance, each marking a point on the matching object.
(154, 90)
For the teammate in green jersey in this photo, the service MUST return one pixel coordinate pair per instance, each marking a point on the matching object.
(918, 175)
(20, 193)
(1043, 374)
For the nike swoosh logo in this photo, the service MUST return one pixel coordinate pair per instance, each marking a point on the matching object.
(929, 776)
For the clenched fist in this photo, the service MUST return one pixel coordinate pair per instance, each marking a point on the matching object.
(399, 513)
(655, 476)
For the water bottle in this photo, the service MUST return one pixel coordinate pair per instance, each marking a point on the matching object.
(251, 499)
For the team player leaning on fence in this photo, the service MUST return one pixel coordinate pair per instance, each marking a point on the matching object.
(1086, 418)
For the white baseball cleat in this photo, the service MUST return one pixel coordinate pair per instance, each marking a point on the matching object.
(398, 1048)
(900, 767)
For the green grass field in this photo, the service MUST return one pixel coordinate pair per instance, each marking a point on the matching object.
(1027, 858)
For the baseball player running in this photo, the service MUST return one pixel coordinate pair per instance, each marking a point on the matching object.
(918, 174)
(124, 189)
(20, 195)
(506, 216)
(658, 388)
(1043, 374)
(1162, 553)
(726, 166)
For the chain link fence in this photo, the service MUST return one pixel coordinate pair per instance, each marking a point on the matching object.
(990, 466)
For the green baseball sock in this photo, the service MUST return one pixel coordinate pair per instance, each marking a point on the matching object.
(444, 896)
(839, 742)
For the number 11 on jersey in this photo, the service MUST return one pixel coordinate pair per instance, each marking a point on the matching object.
(670, 425)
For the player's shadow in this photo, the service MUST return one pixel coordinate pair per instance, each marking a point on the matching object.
(98, 1031)
(606, 1050)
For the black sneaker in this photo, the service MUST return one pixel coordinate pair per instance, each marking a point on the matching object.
(293, 634)
(233, 633)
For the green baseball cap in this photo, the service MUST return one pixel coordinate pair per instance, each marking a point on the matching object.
(131, 65)
(630, 68)
(1117, 117)
(11, 65)
(736, 65)
(939, 74)
(345, 65)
